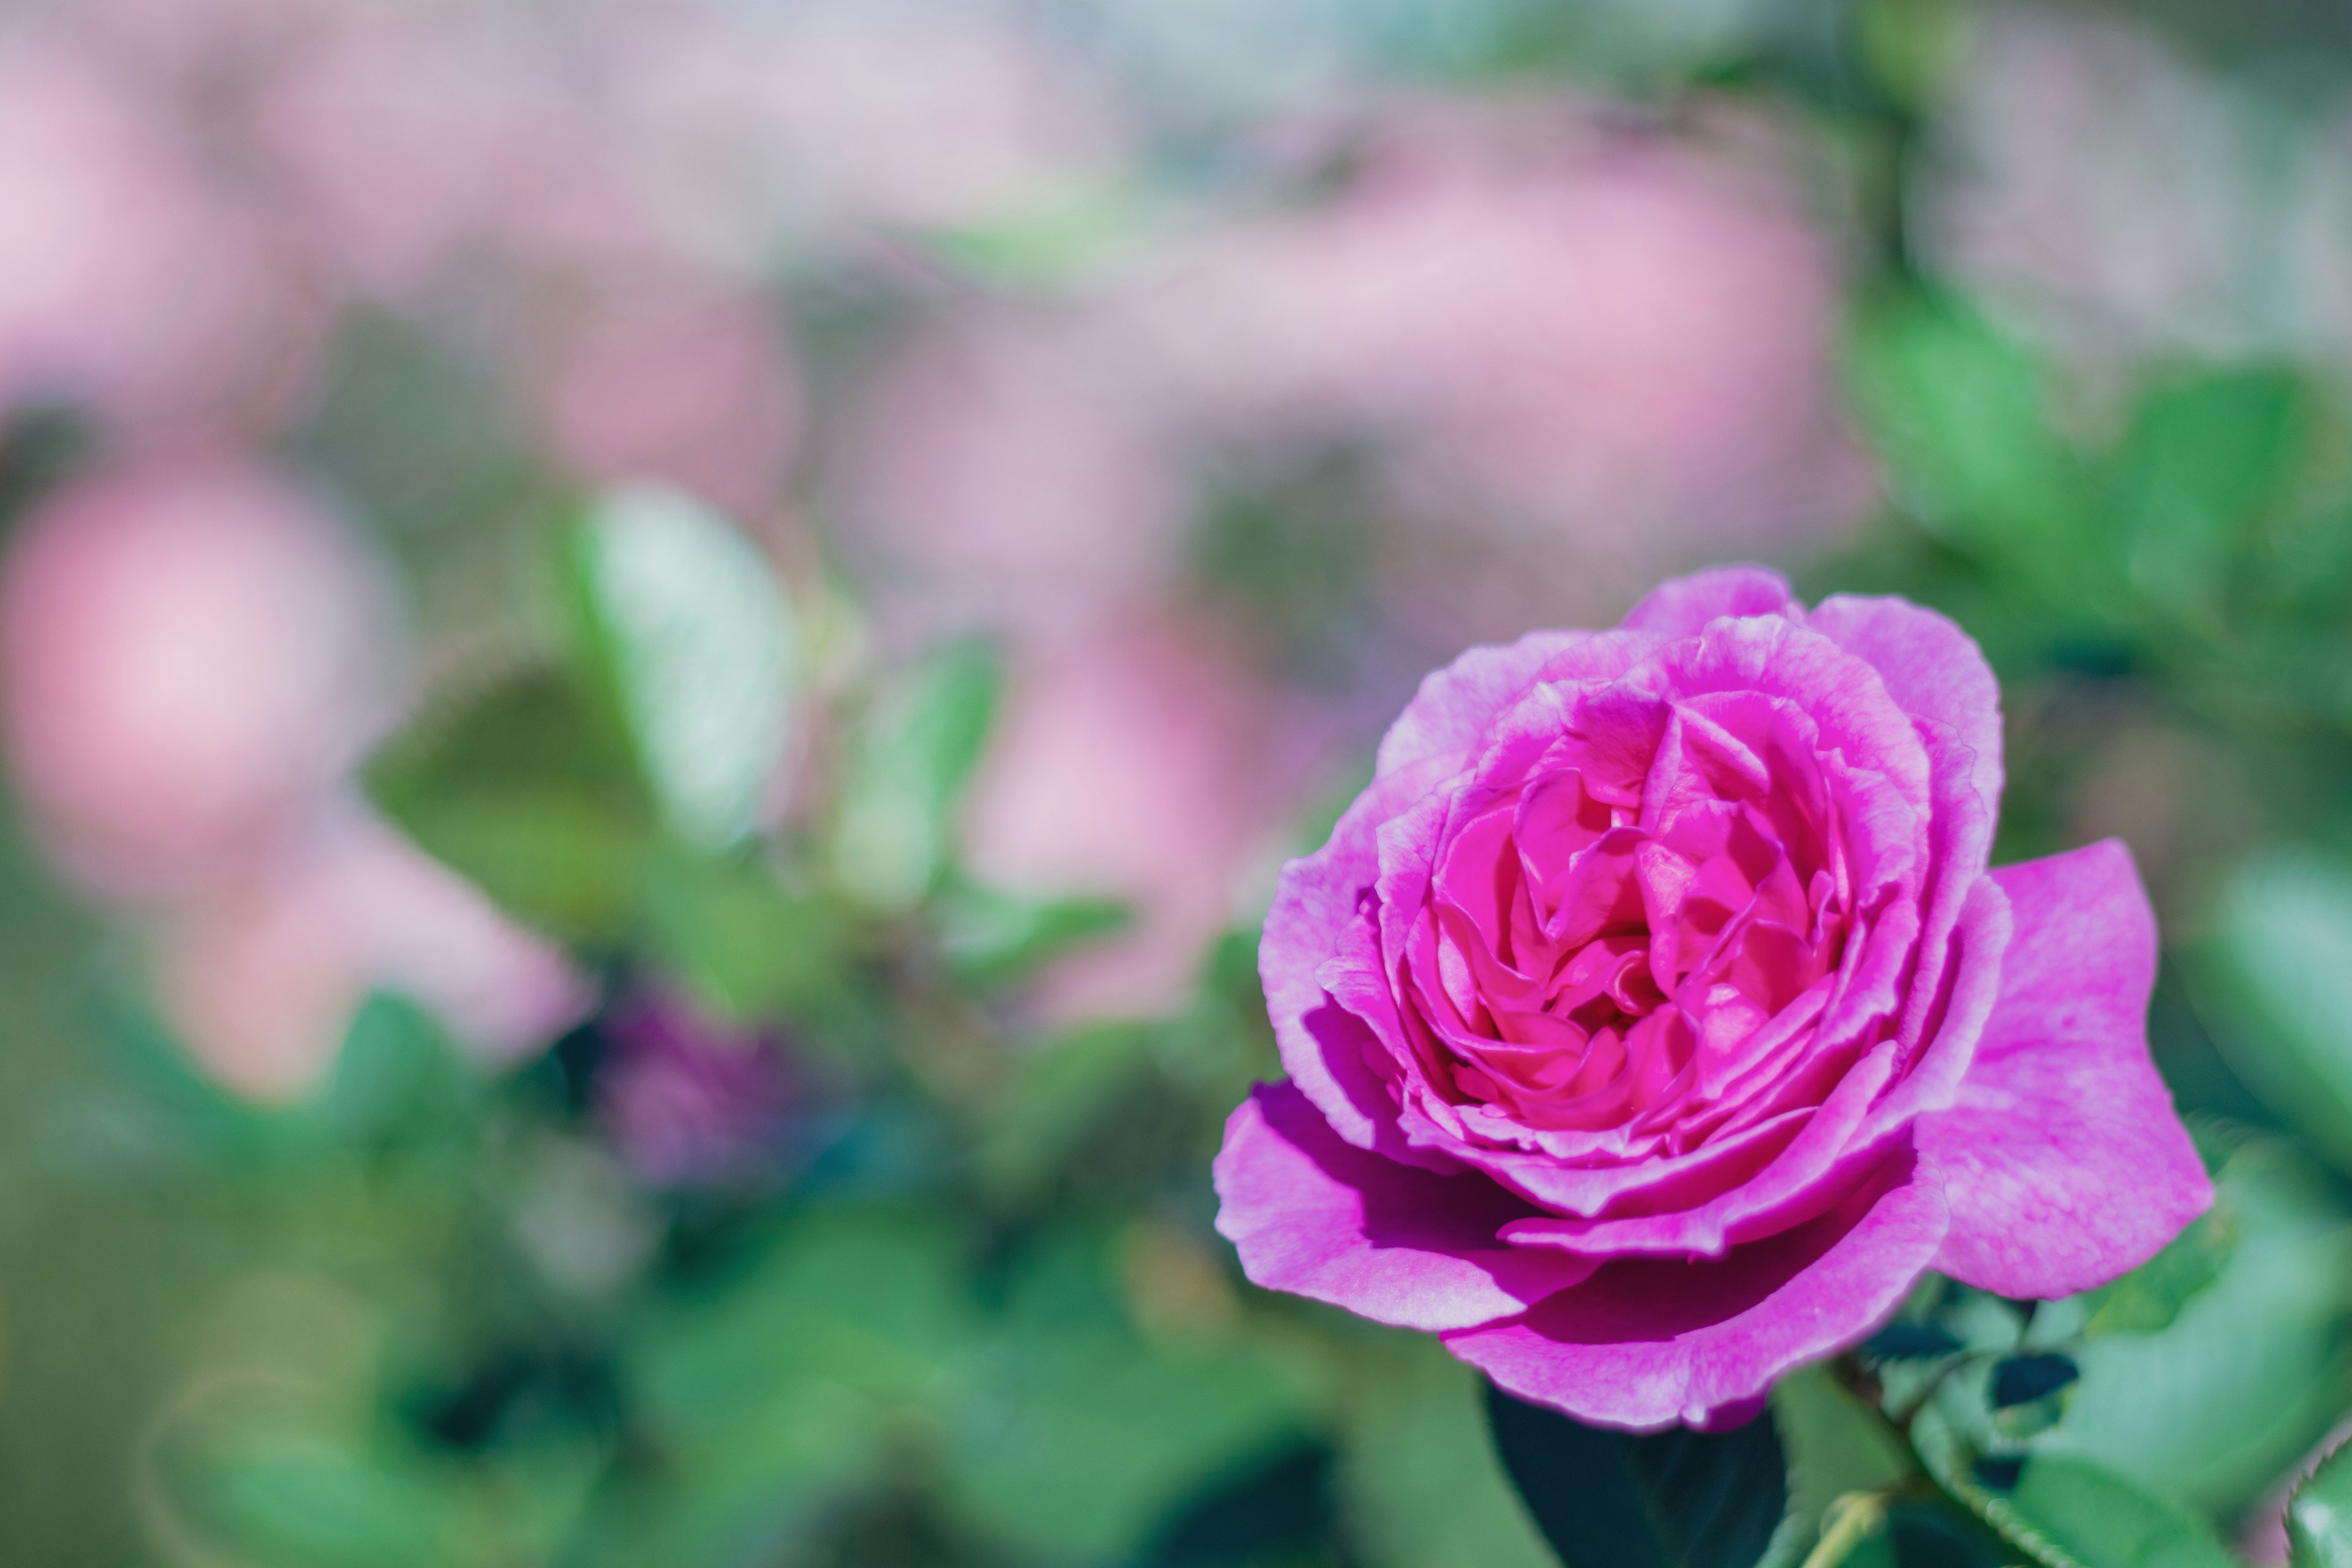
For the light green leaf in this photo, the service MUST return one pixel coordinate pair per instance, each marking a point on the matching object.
(700, 643)
(2212, 1406)
(2203, 458)
(911, 760)
(1418, 1475)
(748, 949)
(2276, 981)
(2319, 1517)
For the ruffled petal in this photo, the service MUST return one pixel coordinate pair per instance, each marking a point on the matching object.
(1328, 1050)
(1452, 711)
(1644, 1344)
(1682, 607)
(1315, 1215)
(1933, 669)
(2067, 1162)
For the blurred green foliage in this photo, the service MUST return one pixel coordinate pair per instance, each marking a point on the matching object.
(978, 1314)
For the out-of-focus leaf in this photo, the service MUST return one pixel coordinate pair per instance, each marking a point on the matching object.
(1079, 1436)
(2276, 983)
(909, 767)
(395, 1079)
(1052, 1101)
(2210, 1408)
(1676, 1499)
(748, 948)
(1960, 412)
(1421, 1485)
(2203, 458)
(777, 1396)
(2062, 1510)
(2151, 1296)
(2319, 1516)
(994, 938)
(527, 791)
(1836, 1446)
(289, 1498)
(698, 641)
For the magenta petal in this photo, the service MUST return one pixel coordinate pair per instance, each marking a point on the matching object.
(1328, 1050)
(1644, 1344)
(1454, 705)
(1932, 669)
(2065, 1162)
(1315, 1215)
(1682, 606)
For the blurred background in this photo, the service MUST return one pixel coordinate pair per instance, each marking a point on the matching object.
(656, 654)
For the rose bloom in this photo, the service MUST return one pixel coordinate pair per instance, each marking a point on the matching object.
(1653, 1022)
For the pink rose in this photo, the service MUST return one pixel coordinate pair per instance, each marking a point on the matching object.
(1653, 1022)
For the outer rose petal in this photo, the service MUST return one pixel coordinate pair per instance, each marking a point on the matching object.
(1313, 1215)
(2066, 1162)
(1682, 607)
(1454, 705)
(1932, 669)
(1327, 1049)
(1643, 1345)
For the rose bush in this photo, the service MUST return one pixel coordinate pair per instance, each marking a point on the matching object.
(1653, 1022)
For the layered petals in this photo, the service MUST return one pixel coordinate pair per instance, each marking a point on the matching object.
(1312, 1215)
(1652, 1022)
(2066, 1162)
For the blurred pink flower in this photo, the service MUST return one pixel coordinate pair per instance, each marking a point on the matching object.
(2086, 173)
(669, 379)
(1601, 331)
(747, 127)
(404, 140)
(1135, 763)
(689, 1099)
(263, 977)
(189, 650)
(129, 280)
(1016, 472)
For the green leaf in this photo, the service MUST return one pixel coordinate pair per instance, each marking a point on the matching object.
(1676, 1499)
(2209, 1409)
(2151, 1297)
(1960, 413)
(2203, 458)
(994, 939)
(686, 618)
(1058, 1095)
(747, 948)
(1422, 1486)
(2064, 1511)
(1837, 1446)
(526, 790)
(2319, 1516)
(909, 764)
(2276, 981)
(1079, 1436)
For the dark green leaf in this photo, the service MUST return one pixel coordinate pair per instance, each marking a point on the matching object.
(2201, 460)
(1676, 1499)
(527, 790)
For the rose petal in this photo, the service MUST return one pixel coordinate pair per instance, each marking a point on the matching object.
(1644, 1344)
(2067, 1163)
(1313, 1215)
(1323, 1047)
(1932, 669)
(1682, 606)
(1454, 705)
